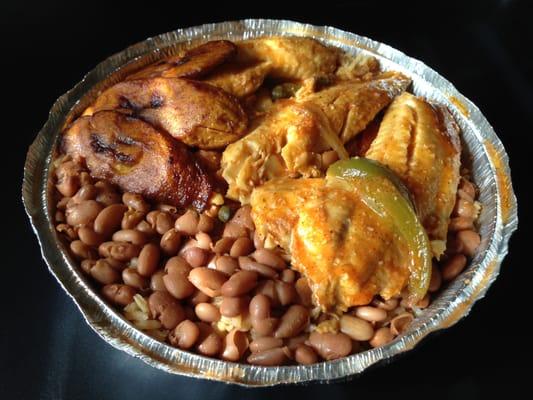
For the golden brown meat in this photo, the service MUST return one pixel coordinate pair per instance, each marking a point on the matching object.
(421, 144)
(291, 58)
(239, 79)
(138, 158)
(192, 63)
(341, 246)
(193, 112)
(289, 141)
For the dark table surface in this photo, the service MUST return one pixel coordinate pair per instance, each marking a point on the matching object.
(46, 349)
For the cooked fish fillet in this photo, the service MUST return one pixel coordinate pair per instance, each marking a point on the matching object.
(288, 142)
(339, 244)
(420, 142)
(193, 112)
(239, 79)
(139, 158)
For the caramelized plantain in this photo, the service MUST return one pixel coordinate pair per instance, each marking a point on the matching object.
(193, 112)
(193, 63)
(138, 158)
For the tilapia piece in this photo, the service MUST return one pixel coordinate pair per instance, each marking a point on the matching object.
(138, 158)
(343, 248)
(192, 63)
(420, 142)
(291, 58)
(193, 112)
(289, 141)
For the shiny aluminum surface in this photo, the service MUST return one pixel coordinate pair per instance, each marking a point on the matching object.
(490, 171)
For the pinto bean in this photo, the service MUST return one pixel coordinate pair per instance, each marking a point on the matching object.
(130, 236)
(86, 192)
(356, 328)
(286, 293)
(460, 224)
(247, 264)
(207, 312)
(223, 245)
(304, 292)
(135, 201)
(89, 236)
(108, 198)
(270, 357)
(293, 342)
(68, 231)
(467, 242)
(132, 278)
(184, 335)
(207, 280)
(195, 256)
(292, 322)
(226, 264)
(104, 273)
(268, 288)
(204, 241)
(164, 307)
(243, 217)
(465, 208)
(109, 219)
(381, 337)
(120, 251)
(235, 344)
(198, 297)
(371, 314)
(205, 223)
(453, 267)
(400, 323)
(170, 242)
(164, 222)
(260, 306)
(264, 327)
(130, 219)
(288, 276)
(208, 343)
(232, 230)
(265, 343)
(241, 247)
(81, 250)
(178, 285)
(305, 355)
(148, 259)
(330, 346)
(239, 283)
(259, 242)
(187, 224)
(156, 281)
(68, 185)
(83, 213)
(387, 305)
(270, 258)
(119, 294)
(177, 265)
(234, 306)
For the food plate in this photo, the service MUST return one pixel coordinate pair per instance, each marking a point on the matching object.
(489, 166)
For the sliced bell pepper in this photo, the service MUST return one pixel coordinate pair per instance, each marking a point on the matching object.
(384, 193)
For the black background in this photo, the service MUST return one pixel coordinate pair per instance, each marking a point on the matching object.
(46, 349)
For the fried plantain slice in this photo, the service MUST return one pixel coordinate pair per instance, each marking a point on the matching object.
(193, 63)
(138, 158)
(196, 113)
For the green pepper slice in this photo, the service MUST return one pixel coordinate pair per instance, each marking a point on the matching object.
(384, 193)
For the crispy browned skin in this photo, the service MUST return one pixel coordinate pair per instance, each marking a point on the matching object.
(239, 79)
(138, 158)
(420, 142)
(194, 63)
(196, 113)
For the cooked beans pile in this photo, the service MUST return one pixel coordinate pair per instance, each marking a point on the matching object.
(206, 283)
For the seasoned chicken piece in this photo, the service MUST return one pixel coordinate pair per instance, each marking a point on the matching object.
(138, 158)
(360, 66)
(239, 79)
(289, 141)
(341, 246)
(192, 63)
(193, 112)
(420, 142)
(291, 58)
